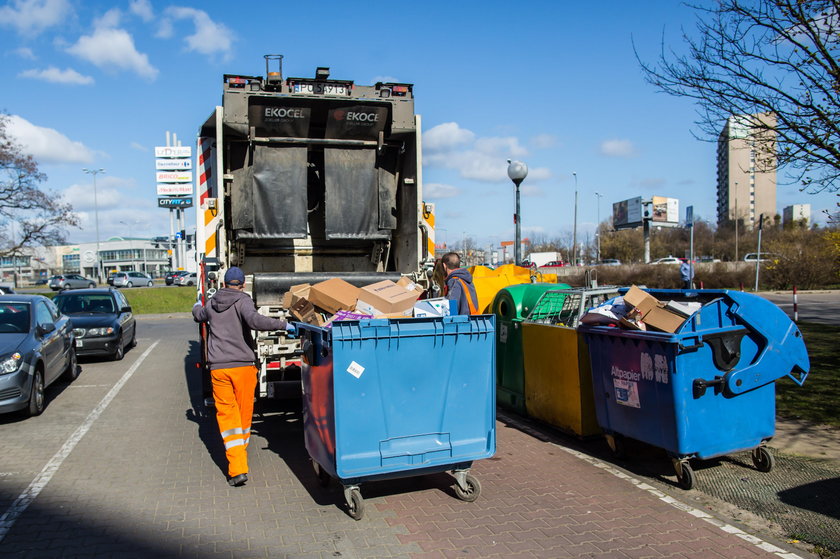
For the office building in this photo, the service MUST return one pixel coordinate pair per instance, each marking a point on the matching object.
(796, 213)
(746, 170)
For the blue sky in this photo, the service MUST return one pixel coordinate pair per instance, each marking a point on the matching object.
(555, 84)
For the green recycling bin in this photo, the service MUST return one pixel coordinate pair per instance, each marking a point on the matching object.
(510, 306)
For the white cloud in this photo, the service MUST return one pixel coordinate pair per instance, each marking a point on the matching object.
(544, 141)
(31, 17)
(385, 79)
(438, 190)
(113, 49)
(445, 136)
(139, 146)
(483, 159)
(109, 19)
(164, 29)
(54, 75)
(209, 37)
(47, 145)
(25, 52)
(142, 8)
(109, 194)
(618, 148)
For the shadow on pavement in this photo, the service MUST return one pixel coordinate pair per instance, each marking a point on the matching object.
(818, 496)
(204, 418)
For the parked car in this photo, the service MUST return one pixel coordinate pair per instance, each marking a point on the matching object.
(554, 264)
(41, 281)
(130, 279)
(765, 257)
(103, 324)
(189, 279)
(70, 281)
(610, 262)
(174, 276)
(7, 290)
(708, 259)
(667, 260)
(36, 349)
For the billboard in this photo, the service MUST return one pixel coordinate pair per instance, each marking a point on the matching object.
(173, 151)
(665, 211)
(175, 202)
(627, 213)
(174, 189)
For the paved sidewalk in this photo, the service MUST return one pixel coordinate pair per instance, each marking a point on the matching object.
(147, 480)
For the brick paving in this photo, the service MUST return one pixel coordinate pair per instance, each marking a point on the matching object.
(148, 480)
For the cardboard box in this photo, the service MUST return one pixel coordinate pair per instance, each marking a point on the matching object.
(366, 308)
(295, 293)
(432, 307)
(334, 295)
(653, 311)
(304, 311)
(410, 285)
(387, 297)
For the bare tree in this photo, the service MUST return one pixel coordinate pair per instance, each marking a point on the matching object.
(753, 57)
(29, 216)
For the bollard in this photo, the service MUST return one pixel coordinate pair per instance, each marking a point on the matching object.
(741, 285)
(701, 285)
(795, 307)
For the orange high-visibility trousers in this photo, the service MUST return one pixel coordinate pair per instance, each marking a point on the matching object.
(233, 393)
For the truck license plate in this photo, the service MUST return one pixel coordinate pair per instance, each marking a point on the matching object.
(320, 88)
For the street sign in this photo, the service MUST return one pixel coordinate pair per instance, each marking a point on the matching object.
(171, 202)
(174, 189)
(173, 151)
(174, 176)
(172, 164)
(178, 235)
(689, 216)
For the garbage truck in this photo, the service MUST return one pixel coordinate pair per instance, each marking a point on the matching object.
(301, 180)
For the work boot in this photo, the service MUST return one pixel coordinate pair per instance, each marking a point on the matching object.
(238, 481)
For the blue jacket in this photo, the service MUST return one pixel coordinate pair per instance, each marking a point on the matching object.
(686, 272)
(455, 290)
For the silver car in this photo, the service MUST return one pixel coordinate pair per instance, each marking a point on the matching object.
(132, 279)
(70, 281)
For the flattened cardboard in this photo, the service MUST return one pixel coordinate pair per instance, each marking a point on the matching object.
(387, 297)
(334, 295)
(652, 310)
(295, 293)
(305, 312)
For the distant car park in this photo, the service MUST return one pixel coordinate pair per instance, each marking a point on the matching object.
(173, 277)
(667, 260)
(188, 279)
(132, 279)
(765, 257)
(61, 282)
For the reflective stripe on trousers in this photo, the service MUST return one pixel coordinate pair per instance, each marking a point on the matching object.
(233, 393)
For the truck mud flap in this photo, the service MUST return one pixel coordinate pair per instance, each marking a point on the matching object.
(279, 192)
(352, 194)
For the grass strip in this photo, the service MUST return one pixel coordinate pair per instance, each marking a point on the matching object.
(816, 400)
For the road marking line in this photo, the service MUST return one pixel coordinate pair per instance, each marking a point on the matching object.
(42, 479)
(701, 514)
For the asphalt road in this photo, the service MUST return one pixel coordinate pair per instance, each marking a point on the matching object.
(822, 307)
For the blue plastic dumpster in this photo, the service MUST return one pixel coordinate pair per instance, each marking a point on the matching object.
(704, 391)
(389, 398)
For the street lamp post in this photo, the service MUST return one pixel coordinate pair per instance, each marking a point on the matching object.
(574, 228)
(598, 197)
(95, 172)
(517, 171)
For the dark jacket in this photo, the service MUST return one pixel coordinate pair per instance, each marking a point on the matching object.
(455, 290)
(231, 315)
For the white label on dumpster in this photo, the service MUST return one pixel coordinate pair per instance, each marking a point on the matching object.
(626, 392)
(355, 369)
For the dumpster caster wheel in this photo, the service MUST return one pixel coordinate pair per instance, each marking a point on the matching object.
(471, 489)
(685, 475)
(762, 459)
(323, 476)
(616, 444)
(355, 503)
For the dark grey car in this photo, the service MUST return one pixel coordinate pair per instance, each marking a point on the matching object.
(36, 349)
(103, 323)
(70, 281)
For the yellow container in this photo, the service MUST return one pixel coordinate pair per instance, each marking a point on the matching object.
(488, 282)
(558, 381)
